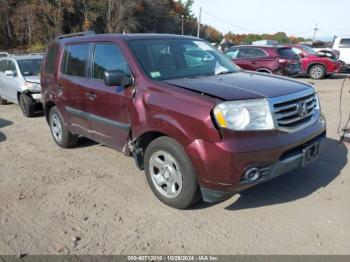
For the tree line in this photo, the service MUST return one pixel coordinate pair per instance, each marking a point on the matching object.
(31, 24)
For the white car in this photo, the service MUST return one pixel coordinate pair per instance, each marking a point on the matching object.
(342, 44)
(20, 82)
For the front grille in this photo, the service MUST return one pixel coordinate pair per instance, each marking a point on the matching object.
(294, 113)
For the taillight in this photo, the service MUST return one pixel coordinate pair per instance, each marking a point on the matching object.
(282, 60)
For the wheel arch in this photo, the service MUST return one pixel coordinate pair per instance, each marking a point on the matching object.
(47, 107)
(316, 63)
(264, 70)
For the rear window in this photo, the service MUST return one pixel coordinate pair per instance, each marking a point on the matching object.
(75, 60)
(345, 42)
(286, 53)
(49, 66)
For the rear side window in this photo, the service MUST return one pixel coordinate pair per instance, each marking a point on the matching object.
(286, 53)
(233, 53)
(108, 57)
(251, 53)
(345, 43)
(49, 66)
(75, 60)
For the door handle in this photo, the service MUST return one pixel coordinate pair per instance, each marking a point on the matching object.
(91, 96)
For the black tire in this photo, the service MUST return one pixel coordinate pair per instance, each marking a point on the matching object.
(67, 138)
(317, 72)
(3, 101)
(27, 105)
(189, 193)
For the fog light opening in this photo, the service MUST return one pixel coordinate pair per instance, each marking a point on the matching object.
(252, 174)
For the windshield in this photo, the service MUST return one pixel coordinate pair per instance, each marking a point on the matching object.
(173, 58)
(29, 67)
(308, 49)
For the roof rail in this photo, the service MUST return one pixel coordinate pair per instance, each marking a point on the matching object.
(76, 34)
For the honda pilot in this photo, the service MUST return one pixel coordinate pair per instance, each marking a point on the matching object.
(199, 126)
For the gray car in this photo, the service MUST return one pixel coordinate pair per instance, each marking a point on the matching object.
(20, 82)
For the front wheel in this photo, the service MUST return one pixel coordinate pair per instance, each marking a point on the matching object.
(27, 105)
(317, 72)
(170, 173)
(59, 131)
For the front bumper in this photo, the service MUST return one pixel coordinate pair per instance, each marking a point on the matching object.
(344, 69)
(36, 97)
(220, 167)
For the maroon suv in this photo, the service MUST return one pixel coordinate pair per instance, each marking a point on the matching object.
(198, 125)
(279, 60)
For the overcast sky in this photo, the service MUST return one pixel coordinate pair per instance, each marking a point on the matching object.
(295, 17)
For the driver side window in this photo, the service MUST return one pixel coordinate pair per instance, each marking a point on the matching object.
(108, 57)
(11, 67)
(3, 66)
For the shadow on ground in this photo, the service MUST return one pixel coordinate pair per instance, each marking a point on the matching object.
(297, 184)
(339, 76)
(85, 142)
(4, 123)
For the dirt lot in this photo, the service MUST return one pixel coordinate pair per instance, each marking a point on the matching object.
(93, 200)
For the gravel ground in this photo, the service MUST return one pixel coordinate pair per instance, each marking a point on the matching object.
(93, 200)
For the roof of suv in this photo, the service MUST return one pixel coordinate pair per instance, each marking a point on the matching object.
(30, 56)
(123, 37)
(262, 46)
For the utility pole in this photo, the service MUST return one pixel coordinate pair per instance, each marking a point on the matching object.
(315, 31)
(199, 21)
(182, 24)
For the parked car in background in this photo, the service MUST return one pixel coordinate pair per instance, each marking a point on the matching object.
(279, 60)
(20, 82)
(197, 124)
(314, 64)
(342, 44)
(4, 54)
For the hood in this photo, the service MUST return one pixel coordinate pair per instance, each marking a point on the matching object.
(32, 79)
(241, 85)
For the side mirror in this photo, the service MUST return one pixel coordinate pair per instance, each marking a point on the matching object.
(301, 55)
(10, 73)
(117, 78)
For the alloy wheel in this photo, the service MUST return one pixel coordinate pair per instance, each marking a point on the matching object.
(166, 175)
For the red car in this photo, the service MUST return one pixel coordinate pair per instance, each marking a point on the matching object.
(199, 126)
(278, 60)
(313, 65)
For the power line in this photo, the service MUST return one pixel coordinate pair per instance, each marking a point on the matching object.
(229, 23)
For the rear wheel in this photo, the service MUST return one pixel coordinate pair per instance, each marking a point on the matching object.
(3, 101)
(317, 72)
(170, 173)
(59, 131)
(27, 105)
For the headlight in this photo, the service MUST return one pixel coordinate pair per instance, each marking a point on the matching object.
(32, 86)
(254, 114)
